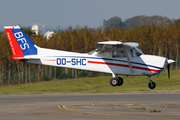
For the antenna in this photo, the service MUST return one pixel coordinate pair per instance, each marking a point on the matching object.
(108, 39)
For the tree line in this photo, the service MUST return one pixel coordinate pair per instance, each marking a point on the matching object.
(153, 39)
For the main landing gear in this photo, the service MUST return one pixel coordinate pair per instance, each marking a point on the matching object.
(116, 81)
(151, 84)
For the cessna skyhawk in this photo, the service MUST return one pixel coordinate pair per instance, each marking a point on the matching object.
(114, 57)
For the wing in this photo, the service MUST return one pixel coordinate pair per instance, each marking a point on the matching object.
(115, 45)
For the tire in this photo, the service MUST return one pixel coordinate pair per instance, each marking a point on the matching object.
(120, 81)
(114, 82)
(152, 86)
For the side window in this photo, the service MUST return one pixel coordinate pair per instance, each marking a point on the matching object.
(118, 54)
(132, 53)
(104, 54)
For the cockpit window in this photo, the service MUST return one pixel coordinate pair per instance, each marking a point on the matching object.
(104, 54)
(118, 54)
(132, 52)
(135, 53)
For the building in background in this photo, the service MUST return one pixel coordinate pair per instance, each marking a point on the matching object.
(48, 34)
(35, 28)
(43, 29)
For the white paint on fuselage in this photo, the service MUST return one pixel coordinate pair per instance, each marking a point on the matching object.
(142, 65)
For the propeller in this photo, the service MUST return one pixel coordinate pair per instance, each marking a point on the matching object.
(168, 65)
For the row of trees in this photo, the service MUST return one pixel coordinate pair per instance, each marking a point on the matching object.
(153, 40)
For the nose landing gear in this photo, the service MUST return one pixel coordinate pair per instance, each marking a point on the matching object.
(151, 84)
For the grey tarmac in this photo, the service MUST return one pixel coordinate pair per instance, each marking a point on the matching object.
(91, 106)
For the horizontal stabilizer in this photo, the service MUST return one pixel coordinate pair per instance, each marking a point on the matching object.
(29, 57)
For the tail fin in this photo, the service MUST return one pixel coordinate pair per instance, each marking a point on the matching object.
(20, 44)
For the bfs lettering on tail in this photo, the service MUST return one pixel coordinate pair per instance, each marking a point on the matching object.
(21, 40)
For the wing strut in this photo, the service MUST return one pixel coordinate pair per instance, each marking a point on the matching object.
(129, 62)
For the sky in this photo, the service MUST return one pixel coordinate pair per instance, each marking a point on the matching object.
(64, 13)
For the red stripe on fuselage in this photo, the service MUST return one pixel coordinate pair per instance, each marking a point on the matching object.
(49, 60)
(122, 65)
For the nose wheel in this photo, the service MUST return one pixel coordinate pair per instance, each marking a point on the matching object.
(118, 81)
(151, 84)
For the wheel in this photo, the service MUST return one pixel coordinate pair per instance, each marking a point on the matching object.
(152, 86)
(120, 81)
(114, 81)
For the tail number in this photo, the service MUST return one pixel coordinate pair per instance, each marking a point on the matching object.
(21, 40)
(73, 61)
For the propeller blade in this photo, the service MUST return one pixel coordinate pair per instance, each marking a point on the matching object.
(168, 53)
(168, 66)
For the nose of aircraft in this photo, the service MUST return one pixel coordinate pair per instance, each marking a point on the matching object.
(170, 61)
(167, 62)
(156, 63)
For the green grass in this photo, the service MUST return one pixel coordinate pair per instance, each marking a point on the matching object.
(98, 85)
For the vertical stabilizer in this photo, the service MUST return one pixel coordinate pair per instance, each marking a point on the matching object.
(20, 44)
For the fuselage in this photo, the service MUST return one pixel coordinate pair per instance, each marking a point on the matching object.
(141, 65)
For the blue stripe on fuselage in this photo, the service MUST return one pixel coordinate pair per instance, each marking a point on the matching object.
(110, 59)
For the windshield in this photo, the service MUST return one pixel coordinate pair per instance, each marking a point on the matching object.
(91, 52)
(136, 52)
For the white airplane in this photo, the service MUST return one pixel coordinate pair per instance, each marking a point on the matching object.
(112, 57)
